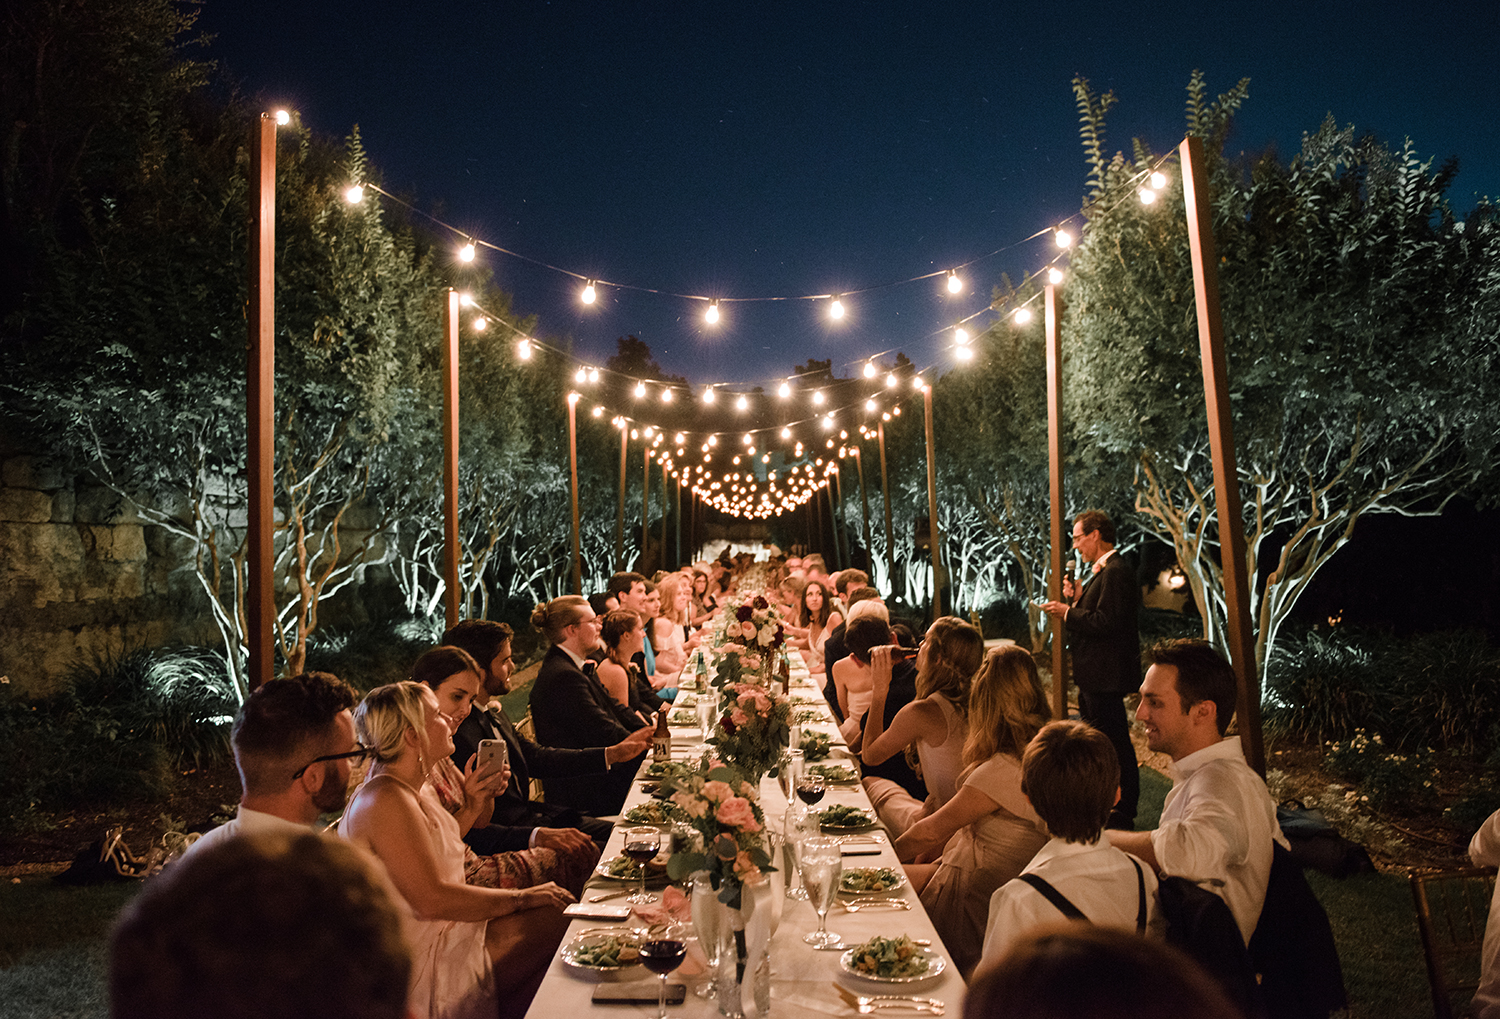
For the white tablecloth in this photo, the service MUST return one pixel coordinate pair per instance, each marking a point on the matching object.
(802, 977)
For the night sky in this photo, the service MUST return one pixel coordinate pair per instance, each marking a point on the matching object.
(782, 150)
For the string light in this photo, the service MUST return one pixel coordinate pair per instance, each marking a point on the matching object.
(786, 433)
(354, 195)
(589, 294)
(869, 369)
(836, 310)
(480, 323)
(955, 285)
(572, 397)
(283, 117)
(784, 391)
(666, 396)
(1022, 316)
(870, 405)
(712, 315)
(523, 350)
(1158, 180)
(1064, 239)
(964, 353)
(593, 374)
(1147, 196)
(1054, 275)
(890, 380)
(640, 389)
(741, 403)
(580, 375)
(818, 398)
(466, 253)
(708, 395)
(598, 412)
(960, 334)
(464, 300)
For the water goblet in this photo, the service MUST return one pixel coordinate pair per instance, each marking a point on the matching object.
(822, 867)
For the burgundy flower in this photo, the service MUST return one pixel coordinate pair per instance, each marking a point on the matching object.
(728, 724)
(743, 613)
(760, 603)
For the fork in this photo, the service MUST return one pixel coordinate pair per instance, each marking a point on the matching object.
(865, 1004)
(855, 905)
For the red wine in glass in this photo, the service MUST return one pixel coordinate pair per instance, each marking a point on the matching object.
(663, 956)
(810, 791)
(642, 853)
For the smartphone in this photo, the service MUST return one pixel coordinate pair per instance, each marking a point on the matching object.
(638, 993)
(493, 754)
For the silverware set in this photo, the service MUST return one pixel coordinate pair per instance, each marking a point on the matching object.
(865, 1004)
(855, 905)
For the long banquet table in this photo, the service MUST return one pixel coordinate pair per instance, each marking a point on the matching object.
(802, 978)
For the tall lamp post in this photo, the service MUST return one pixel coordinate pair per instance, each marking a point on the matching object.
(573, 475)
(260, 397)
(620, 521)
(450, 457)
(1055, 493)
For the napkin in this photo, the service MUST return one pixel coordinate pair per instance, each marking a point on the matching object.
(673, 905)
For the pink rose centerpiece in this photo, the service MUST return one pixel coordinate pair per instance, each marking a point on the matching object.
(754, 726)
(749, 642)
(722, 804)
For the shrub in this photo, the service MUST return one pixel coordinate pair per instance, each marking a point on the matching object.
(1320, 687)
(1473, 808)
(1386, 780)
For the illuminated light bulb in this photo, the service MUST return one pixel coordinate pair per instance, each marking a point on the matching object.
(1158, 180)
(640, 389)
(1022, 316)
(708, 458)
(896, 411)
(784, 391)
(712, 314)
(766, 459)
(1148, 197)
(964, 353)
(593, 374)
(713, 440)
(917, 383)
(786, 433)
(708, 395)
(678, 439)
(1064, 239)
(480, 324)
(741, 403)
(736, 461)
(751, 451)
(830, 443)
(589, 295)
(598, 412)
(580, 375)
(886, 416)
(1054, 276)
(283, 117)
(355, 194)
(836, 310)
(666, 396)
(464, 300)
(466, 253)
(843, 434)
(955, 285)
(703, 448)
(747, 438)
(818, 398)
(634, 434)
(827, 423)
(869, 369)
(680, 451)
(960, 334)
(870, 405)
(572, 397)
(649, 432)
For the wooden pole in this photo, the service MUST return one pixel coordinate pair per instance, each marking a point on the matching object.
(260, 399)
(890, 532)
(1221, 444)
(817, 501)
(864, 501)
(1055, 493)
(450, 458)
(646, 506)
(666, 484)
(677, 519)
(573, 474)
(934, 534)
(620, 522)
(840, 535)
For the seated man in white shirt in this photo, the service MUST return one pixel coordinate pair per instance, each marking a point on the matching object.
(1218, 822)
(1071, 775)
(1484, 850)
(294, 747)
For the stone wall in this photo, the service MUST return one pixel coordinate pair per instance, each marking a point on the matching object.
(81, 576)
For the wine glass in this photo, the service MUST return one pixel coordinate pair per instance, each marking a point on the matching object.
(661, 955)
(641, 845)
(810, 787)
(822, 866)
(707, 709)
(708, 919)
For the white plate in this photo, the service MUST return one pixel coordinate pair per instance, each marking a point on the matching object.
(625, 971)
(895, 889)
(935, 966)
(658, 879)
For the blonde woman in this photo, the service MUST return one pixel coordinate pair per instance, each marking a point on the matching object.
(987, 832)
(936, 722)
(472, 948)
(668, 634)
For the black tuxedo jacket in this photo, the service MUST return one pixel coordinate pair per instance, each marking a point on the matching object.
(528, 760)
(572, 709)
(834, 649)
(902, 692)
(1104, 632)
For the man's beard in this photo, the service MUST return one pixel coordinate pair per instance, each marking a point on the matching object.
(332, 794)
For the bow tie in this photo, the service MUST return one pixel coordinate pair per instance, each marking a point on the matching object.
(590, 667)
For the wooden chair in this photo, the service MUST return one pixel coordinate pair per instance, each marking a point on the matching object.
(1452, 908)
(527, 728)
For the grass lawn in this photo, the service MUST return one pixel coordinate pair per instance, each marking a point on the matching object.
(52, 939)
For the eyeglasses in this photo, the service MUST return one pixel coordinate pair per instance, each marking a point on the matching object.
(359, 754)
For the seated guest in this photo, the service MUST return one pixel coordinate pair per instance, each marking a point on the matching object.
(536, 855)
(572, 709)
(294, 747)
(1070, 774)
(670, 634)
(623, 633)
(1079, 971)
(936, 723)
(703, 604)
(1484, 850)
(274, 924)
(1218, 821)
(834, 648)
(852, 683)
(867, 631)
(848, 580)
(468, 944)
(987, 832)
(818, 615)
(489, 644)
(634, 592)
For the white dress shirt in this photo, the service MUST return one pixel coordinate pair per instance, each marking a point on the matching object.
(1096, 877)
(1484, 850)
(245, 822)
(1216, 829)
